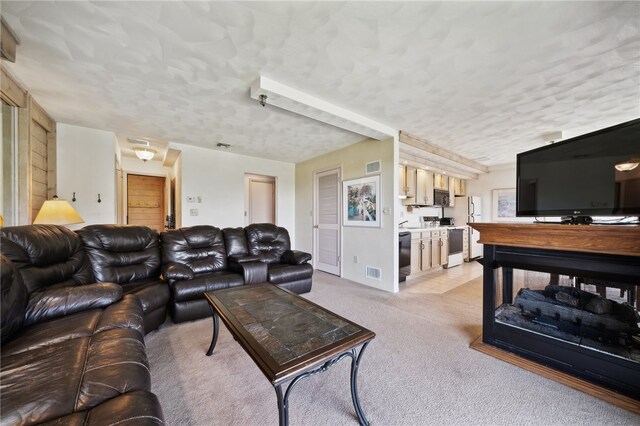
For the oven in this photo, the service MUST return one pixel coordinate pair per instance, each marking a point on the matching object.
(456, 239)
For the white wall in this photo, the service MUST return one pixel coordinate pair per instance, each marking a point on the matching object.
(86, 165)
(376, 247)
(218, 177)
(498, 178)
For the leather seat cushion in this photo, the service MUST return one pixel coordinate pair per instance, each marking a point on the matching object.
(13, 299)
(195, 288)
(125, 314)
(267, 241)
(122, 253)
(279, 273)
(153, 293)
(137, 408)
(46, 255)
(200, 248)
(72, 375)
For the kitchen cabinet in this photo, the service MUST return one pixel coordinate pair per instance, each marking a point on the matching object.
(407, 181)
(457, 186)
(416, 185)
(420, 251)
(440, 181)
(424, 188)
(439, 248)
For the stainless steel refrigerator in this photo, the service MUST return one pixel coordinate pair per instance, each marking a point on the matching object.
(468, 209)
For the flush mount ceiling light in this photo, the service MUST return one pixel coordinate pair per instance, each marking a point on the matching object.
(144, 152)
(627, 166)
(301, 103)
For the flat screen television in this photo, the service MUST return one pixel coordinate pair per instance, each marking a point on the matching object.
(589, 175)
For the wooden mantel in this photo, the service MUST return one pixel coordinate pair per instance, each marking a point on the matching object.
(609, 239)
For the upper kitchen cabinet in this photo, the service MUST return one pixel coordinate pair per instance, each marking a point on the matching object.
(407, 182)
(424, 188)
(440, 181)
(458, 186)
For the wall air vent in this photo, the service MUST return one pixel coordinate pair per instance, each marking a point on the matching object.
(373, 167)
(374, 273)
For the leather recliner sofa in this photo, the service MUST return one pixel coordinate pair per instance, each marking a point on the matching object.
(194, 261)
(204, 258)
(129, 256)
(72, 351)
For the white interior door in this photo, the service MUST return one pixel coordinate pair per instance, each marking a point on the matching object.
(262, 200)
(326, 214)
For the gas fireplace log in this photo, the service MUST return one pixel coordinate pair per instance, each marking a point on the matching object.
(530, 302)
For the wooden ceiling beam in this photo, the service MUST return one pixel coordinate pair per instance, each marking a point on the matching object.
(434, 166)
(441, 152)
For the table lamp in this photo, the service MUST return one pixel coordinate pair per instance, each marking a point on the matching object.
(57, 212)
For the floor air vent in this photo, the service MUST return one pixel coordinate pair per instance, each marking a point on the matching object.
(374, 273)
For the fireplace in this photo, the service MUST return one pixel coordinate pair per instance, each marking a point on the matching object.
(574, 311)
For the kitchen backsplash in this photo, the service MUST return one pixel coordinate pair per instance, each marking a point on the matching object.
(414, 216)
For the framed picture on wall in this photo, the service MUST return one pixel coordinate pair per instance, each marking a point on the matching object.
(361, 201)
(504, 205)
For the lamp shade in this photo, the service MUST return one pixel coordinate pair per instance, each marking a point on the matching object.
(145, 154)
(57, 212)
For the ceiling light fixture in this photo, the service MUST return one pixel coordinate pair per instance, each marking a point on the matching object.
(302, 103)
(223, 145)
(627, 166)
(144, 153)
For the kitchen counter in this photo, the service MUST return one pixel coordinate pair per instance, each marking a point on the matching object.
(431, 228)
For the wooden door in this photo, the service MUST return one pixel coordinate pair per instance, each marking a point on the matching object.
(145, 201)
(326, 235)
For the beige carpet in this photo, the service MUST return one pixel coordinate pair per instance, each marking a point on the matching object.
(419, 370)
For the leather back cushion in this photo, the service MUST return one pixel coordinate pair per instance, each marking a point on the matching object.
(13, 299)
(46, 255)
(267, 241)
(201, 248)
(122, 253)
(235, 240)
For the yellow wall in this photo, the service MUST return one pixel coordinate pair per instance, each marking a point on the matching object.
(373, 246)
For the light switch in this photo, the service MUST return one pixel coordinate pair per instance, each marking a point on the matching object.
(199, 199)
(385, 210)
(194, 212)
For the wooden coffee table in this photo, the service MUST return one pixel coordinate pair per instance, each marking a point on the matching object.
(288, 337)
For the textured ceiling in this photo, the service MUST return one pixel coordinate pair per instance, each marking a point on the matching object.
(484, 80)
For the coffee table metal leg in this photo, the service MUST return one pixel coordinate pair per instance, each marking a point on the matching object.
(283, 407)
(214, 338)
(283, 399)
(355, 362)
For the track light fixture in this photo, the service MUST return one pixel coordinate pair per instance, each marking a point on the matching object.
(263, 100)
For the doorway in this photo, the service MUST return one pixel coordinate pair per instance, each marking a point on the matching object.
(146, 201)
(326, 216)
(260, 199)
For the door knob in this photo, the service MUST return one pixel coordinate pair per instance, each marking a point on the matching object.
(315, 226)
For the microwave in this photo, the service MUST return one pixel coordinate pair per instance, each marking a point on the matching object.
(441, 198)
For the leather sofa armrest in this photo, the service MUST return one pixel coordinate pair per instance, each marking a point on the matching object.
(295, 257)
(177, 272)
(252, 272)
(58, 302)
(243, 258)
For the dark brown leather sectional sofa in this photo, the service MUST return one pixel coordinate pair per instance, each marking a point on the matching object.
(76, 307)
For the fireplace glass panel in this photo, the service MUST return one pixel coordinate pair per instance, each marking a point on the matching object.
(594, 314)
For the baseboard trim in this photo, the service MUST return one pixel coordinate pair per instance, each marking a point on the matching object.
(589, 388)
